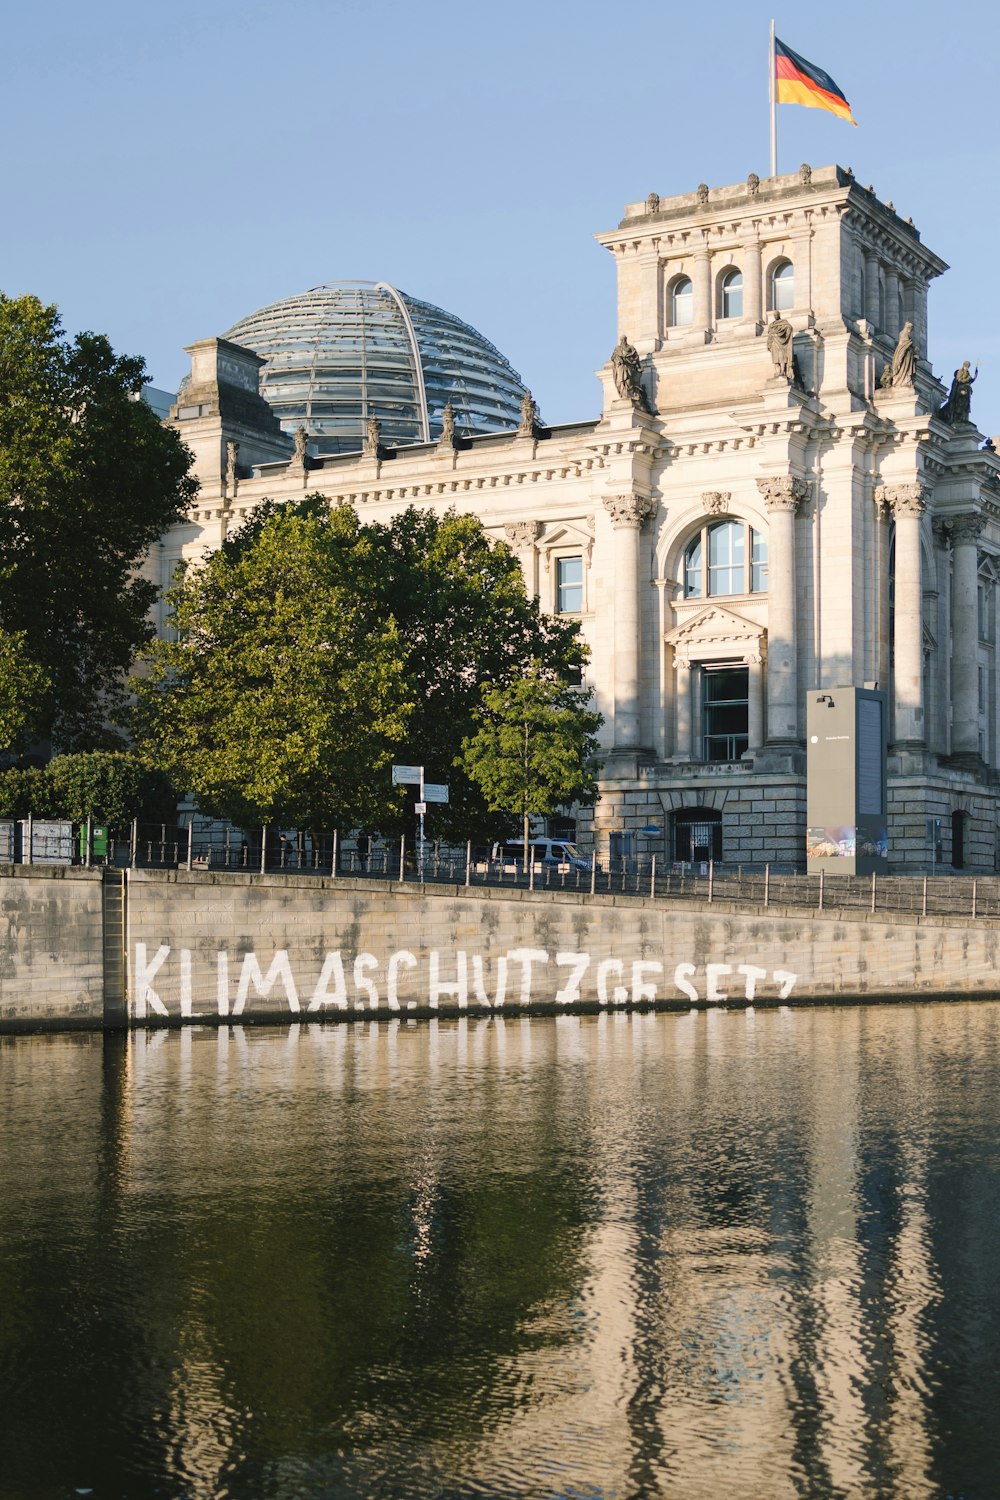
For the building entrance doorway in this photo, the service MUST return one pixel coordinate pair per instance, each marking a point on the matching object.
(697, 835)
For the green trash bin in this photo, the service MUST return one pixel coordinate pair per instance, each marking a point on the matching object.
(98, 841)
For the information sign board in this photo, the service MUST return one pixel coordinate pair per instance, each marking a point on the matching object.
(407, 775)
(435, 791)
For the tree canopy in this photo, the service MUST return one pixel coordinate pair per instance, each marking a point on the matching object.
(89, 478)
(534, 748)
(313, 650)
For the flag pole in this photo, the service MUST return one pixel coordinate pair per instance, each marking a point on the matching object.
(770, 95)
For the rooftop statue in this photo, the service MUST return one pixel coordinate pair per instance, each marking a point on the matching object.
(299, 451)
(373, 432)
(529, 416)
(447, 438)
(959, 403)
(627, 372)
(904, 358)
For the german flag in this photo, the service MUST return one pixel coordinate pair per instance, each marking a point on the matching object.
(799, 82)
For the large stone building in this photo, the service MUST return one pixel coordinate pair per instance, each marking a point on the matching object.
(733, 531)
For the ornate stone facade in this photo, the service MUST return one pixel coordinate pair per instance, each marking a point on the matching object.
(749, 541)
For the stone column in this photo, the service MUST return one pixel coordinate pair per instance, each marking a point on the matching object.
(907, 503)
(752, 305)
(628, 513)
(702, 281)
(755, 703)
(782, 497)
(520, 537)
(965, 531)
(871, 287)
(682, 709)
(892, 323)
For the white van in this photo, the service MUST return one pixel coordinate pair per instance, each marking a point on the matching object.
(546, 854)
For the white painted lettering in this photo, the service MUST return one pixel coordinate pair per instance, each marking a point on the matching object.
(643, 987)
(362, 983)
(145, 995)
(333, 968)
(681, 980)
(579, 963)
(713, 973)
(785, 981)
(438, 986)
(526, 957)
(222, 982)
(185, 981)
(479, 983)
(605, 968)
(753, 974)
(399, 958)
(264, 983)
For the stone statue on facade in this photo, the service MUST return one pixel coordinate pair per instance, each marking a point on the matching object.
(373, 432)
(653, 203)
(703, 193)
(447, 438)
(806, 174)
(958, 406)
(529, 416)
(904, 358)
(780, 347)
(627, 372)
(232, 470)
(753, 185)
(299, 451)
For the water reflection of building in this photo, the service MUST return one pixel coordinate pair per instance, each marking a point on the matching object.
(743, 1253)
(774, 497)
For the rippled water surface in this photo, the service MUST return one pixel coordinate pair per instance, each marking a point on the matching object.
(718, 1255)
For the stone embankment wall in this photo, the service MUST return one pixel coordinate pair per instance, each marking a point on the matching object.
(206, 948)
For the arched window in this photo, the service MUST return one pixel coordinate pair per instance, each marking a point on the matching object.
(783, 286)
(682, 302)
(732, 294)
(726, 557)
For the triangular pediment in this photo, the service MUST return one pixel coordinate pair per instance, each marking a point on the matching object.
(715, 626)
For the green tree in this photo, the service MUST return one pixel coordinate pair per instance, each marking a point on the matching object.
(89, 478)
(535, 747)
(464, 619)
(283, 697)
(23, 686)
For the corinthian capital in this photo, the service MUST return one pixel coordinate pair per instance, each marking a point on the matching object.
(628, 510)
(782, 492)
(902, 499)
(716, 502)
(967, 528)
(521, 534)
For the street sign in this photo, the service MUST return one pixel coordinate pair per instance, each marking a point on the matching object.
(407, 775)
(421, 808)
(435, 792)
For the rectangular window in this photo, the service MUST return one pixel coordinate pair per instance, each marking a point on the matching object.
(725, 712)
(569, 585)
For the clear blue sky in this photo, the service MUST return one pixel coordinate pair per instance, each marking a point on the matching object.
(170, 168)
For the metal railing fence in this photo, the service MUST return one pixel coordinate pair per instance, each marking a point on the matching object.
(213, 849)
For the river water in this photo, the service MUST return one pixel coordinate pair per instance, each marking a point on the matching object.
(731, 1255)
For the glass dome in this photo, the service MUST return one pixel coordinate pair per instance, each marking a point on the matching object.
(344, 350)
